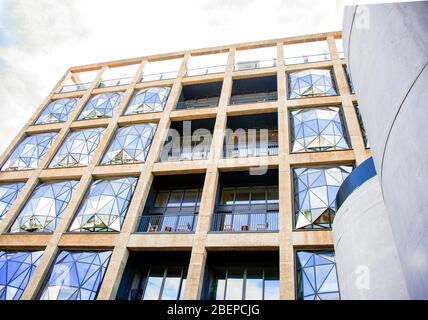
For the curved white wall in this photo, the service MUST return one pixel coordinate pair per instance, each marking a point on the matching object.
(387, 51)
(366, 255)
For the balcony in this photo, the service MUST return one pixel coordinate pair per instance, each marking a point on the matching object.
(75, 87)
(256, 64)
(325, 56)
(188, 140)
(253, 90)
(168, 223)
(205, 70)
(159, 76)
(115, 82)
(251, 136)
(245, 222)
(202, 95)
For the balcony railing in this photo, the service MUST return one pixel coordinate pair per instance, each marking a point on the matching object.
(244, 222)
(75, 87)
(168, 223)
(308, 58)
(254, 97)
(115, 82)
(272, 150)
(184, 155)
(159, 76)
(198, 103)
(256, 64)
(205, 70)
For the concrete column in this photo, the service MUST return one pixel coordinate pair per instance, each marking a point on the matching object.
(387, 52)
(195, 274)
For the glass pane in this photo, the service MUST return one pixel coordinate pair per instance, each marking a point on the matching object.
(258, 195)
(271, 284)
(175, 198)
(227, 196)
(183, 289)
(254, 284)
(162, 199)
(217, 285)
(272, 194)
(172, 284)
(189, 199)
(235, 284)
(242, 196)
(154, 284)
(199, 197)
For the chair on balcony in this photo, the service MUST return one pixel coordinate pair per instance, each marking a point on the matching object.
(153, 228)
(228, 227)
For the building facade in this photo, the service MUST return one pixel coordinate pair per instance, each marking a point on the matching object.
(134, 188)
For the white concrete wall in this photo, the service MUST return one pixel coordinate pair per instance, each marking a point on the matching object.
(366, 255)
(387, 51)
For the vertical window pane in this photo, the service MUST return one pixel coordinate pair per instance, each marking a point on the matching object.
(199, 197)
(189, 199)
(162, 199)
(235, 284)
(154, 284)
(271, 284)
(175, 198)
(183, 289)
(227, 196)
(217, 285)
(172, 284)
(242, 196)
(258, 195)
(272, 194)
(254, 284)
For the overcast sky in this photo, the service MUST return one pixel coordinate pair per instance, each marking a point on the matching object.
(40, 39)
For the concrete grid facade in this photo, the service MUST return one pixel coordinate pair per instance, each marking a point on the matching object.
(286, 241)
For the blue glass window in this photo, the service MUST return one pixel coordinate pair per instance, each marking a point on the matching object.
(16, 269)
(148, 100)
(318, 129)
(8, 194)
(57, 111)
(76, 275)
(315, 192)
(131, 144)
(78, 148)
(29, 152)
(311, 83)
(44, 209)
(101, 106)
(105, 206)
(317, 276)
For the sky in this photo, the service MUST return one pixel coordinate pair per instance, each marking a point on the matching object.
(41, 39)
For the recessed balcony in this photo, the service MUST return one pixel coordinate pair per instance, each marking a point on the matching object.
(253, 90)
(202, 95)
(251, 136)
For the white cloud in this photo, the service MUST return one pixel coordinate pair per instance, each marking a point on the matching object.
(45, 37)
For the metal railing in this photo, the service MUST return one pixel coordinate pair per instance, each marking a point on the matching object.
(242, 222)
(184, 156)
(205, 70)
(308, 58)
(254, 97)
(168, 223)
(256, 64)
(75, 87)
(272, 150)
(159, 76)
(198, 103)
(115, 82)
